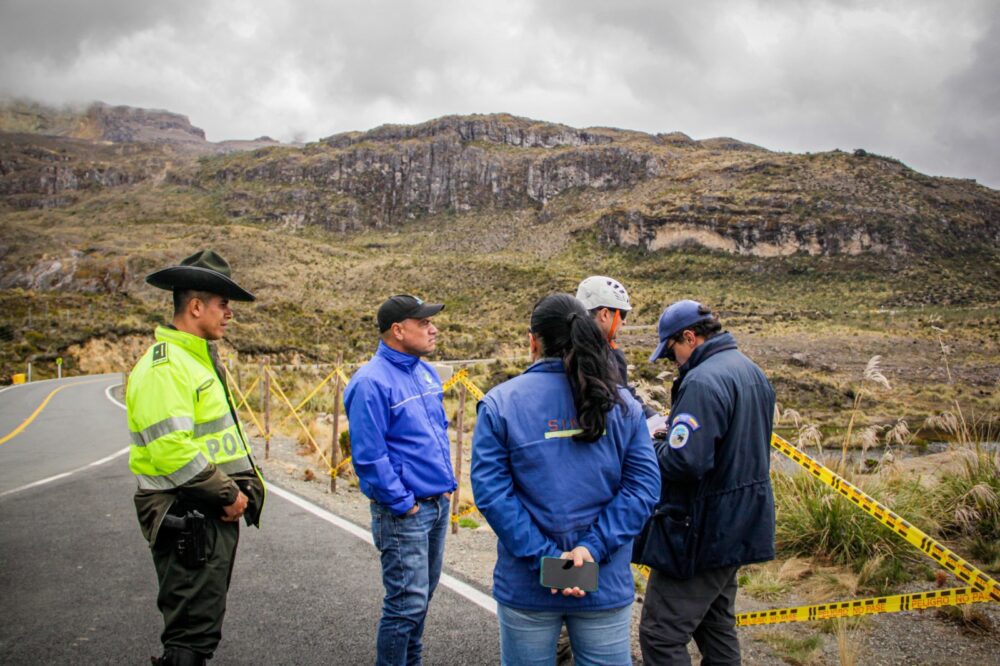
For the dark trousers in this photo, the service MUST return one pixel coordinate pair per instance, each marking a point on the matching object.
(702, 607)
(193, 601)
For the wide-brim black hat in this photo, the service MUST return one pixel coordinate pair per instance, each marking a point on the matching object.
(204, 270)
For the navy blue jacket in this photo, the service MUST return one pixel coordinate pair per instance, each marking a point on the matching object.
(716, 506)
(544, 493)
(399, 431)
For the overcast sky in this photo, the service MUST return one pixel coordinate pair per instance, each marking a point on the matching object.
(918, 80)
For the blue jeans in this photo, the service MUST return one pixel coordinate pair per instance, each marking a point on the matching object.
(412, 550)
(599, 638)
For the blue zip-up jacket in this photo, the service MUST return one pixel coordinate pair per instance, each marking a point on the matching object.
(716, 508)
(544, 493)
(399, 431)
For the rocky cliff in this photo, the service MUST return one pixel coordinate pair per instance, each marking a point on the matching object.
(652, 192)
(394, 173)
(658, 191)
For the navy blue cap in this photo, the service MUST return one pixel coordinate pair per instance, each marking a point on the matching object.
(677, 317)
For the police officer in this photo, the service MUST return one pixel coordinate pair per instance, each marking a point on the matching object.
(716, 508)
(608, 303)
(191, 458)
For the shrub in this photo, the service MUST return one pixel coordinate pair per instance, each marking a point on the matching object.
(813, 519)
(968, 500)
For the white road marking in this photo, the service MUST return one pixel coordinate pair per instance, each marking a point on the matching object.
(107, 393)
(42, 482)
(65, 474)
(464, 589)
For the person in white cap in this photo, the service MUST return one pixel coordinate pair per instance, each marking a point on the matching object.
(608, 303)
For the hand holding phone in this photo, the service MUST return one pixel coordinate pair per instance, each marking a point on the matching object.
(575, 573)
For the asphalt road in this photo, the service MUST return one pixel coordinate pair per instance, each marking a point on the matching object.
(77, 583)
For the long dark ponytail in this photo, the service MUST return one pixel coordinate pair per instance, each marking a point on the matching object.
(565, 330)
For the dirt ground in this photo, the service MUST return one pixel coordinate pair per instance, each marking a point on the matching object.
(928, 637)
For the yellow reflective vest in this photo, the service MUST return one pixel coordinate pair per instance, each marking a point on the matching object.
(181, 424)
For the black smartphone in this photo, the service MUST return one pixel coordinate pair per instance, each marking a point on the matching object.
(560, 574)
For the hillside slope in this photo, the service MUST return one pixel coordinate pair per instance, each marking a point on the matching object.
(837, 255)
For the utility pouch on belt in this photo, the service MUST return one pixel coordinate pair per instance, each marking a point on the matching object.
(189, 531)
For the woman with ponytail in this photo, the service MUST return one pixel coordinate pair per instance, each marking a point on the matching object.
(562, 466)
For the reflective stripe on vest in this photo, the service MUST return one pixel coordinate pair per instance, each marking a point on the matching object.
(236, 466)
(213, 426)
(174, 479)
(164, 427)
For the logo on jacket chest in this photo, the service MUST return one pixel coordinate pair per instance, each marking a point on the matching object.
(562, 424)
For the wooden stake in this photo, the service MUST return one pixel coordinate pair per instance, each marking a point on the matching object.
(335, 445)
(459, 426)
(267, 412)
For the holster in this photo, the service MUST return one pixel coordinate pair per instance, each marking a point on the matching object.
(188, 532)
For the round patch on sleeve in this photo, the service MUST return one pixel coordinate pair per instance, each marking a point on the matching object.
(679, 436)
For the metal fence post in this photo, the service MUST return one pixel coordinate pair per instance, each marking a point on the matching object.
(335, 444)
(459, 426)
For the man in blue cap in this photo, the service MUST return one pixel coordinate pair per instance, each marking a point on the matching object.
(716, 509)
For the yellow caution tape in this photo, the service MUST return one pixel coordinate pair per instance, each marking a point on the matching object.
(243, 400)
(342, 463)
(276, 387)
(979, 580)
(309, 397)
(456, 516)
(462, 376)
(984, 588)
(873, 606)
(472, 388)
(455, 378)
(243, 394)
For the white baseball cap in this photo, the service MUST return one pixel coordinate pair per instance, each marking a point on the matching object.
(599, 291)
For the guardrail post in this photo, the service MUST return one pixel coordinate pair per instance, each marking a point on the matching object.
(335, 439)
(267, 410)
(459, 427)
(29, 372)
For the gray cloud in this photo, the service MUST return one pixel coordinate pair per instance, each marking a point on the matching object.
(915, 80)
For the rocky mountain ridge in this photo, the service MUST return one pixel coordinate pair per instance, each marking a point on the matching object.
(650, 191)
(118, 124)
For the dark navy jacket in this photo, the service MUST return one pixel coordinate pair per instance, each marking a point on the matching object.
(399, 431)
(716, 506)
(544, 493)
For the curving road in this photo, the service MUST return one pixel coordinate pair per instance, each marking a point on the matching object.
(77, 582)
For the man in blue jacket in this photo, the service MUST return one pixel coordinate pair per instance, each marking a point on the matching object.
(716, 509)
(401, 454)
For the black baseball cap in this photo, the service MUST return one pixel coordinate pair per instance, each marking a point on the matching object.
(404, 306)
